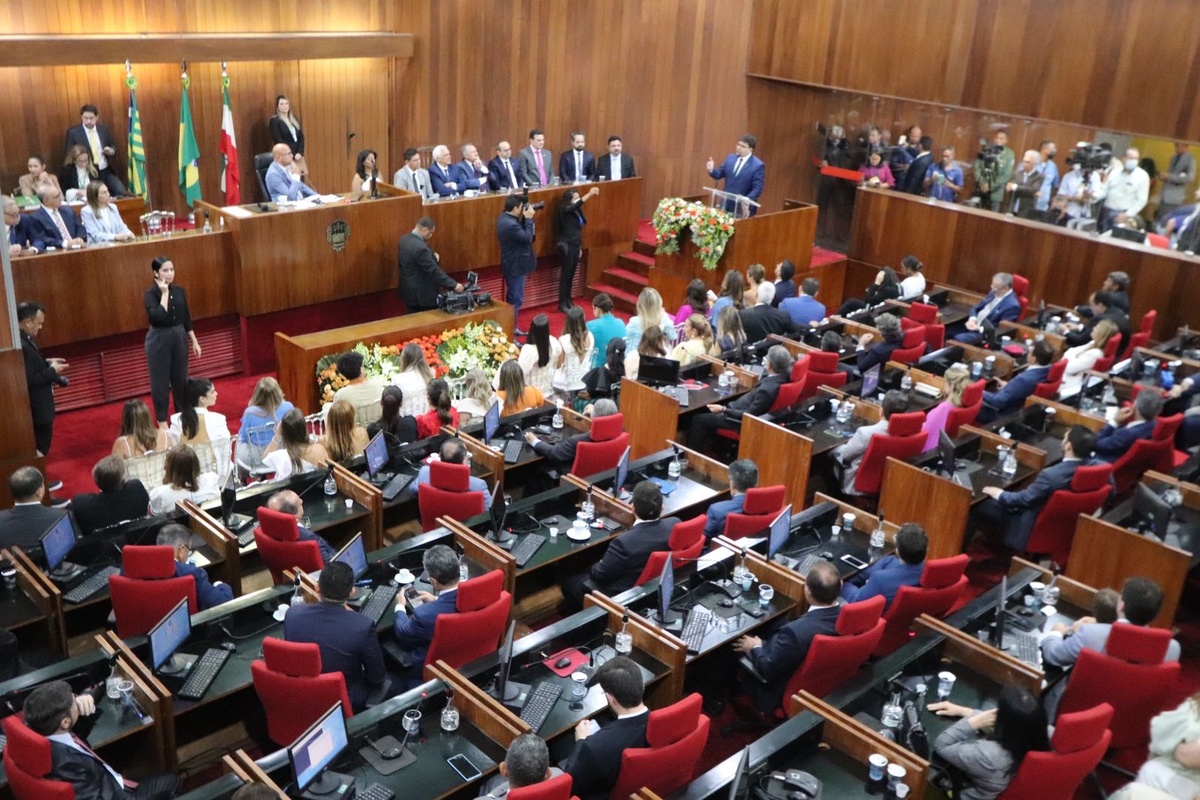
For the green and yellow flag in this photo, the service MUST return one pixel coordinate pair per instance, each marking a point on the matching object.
(189, 151)
(135, 150)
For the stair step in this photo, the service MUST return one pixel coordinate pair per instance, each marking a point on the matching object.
(633, 263)
(643, 247)
(622, 299)
(641, 258)
(626, 280)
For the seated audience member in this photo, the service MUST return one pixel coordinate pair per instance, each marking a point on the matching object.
(1174, 765)
(872, 353)
(696, 341)
(1117, 285)
(652, 343)
(526, 763)
(987, 747)
(875, 173)
(23, 525)
(471, 173)
(595, 762)
(196, 422)
(1104, 307)
(286, 501)
(576, 342)
(649, 315)
(101, 219)
(888, 574)
(344, 438)
(119, 499)
(55, 224)
(452, 451)
(267, 406)
(1082, 358)
(805, 309)
(442, 172)
(604, 327)
(605, 380)
(208, 593)
(52, 711)
(776, 659)
(441, 410)
(415, 632)
(412, 177)
(281, 180)
(254, 791)
(1010, 395)
(361, 389)
(755, 275)
(182, 481)
(413, 379)
(743, 476)
(886, 287)
(1132, 423)
(733, 292)
(76, 173)
(37, 177)
(762, 319)
(560, 455)
(1104, 605)
(755, 402)
(363, 179)
(541, 355)
(139, 435)
(347, 639)
(1000, 305)
(23, 240)
(785, 286)
(400, 429)
(956, 379)
(1016, 512)
(731, 336)
(912, 288)
(478, 395)
(514, 395)
(628, 553)
(291, 451)
(850, 455)
(694, 302)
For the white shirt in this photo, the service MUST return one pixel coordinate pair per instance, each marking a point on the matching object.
(163, 499)
(213, 422)
(1072, 185)
(912, 287)
(1079, 360)
(614, 167)
(1128, 191)
(512, 176)
(281, 464)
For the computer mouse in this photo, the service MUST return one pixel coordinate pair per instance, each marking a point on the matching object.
(230, 646)
(726, 603)
(825, 554)
(563, 662)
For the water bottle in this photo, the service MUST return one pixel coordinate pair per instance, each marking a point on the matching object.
(207, 224)
(624, 639)
(297, 597)
(673, 468)
(449, 713)
(723, 380)
(1009, 466)
(587, 508)
(331, 489)
(893, 712)
(556, 421)
(906, 383)
(843, 416)
(877, 539)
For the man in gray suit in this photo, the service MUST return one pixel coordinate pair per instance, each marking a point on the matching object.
(1180, 173)
(412, 177)
(537, 163)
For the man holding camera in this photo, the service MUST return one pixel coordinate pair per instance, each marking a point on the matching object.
(515, 231)
(42, 374)
(993, 170)
(420, 274)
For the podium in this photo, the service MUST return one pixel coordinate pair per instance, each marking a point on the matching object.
(737, 204)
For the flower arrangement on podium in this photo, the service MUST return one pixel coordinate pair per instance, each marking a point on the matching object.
(710, 228)
(451, 354)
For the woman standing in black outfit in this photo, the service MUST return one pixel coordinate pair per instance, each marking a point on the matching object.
(570, 237)
(284, 128)
(168, 338)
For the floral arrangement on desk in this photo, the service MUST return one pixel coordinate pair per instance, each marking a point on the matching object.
(711, 229)
(451, 354)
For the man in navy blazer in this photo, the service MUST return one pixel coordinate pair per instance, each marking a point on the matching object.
(1132, 423)
(281, 181)
(45, 221)
(806, 308)
(470, 173)
(595, 761)
(414, 632)
(504, 173)
(1011, 394)
(348, 641)
(743, 476)
(757, 401)
(888, 574)
(743, 172)
(1000, 305)
(208, 594)
(22, 238)
(515, 231)
(442, 173)
(577, 163)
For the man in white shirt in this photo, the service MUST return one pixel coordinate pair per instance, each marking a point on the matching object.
(1076, 194)
(616, 165)
(1127, 191)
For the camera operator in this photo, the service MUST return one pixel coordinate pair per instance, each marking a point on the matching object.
(515, 231)
(993, 169)
(42, 374)
(834, 195)
(1126, 192)
(1081, 185)
(420, 274)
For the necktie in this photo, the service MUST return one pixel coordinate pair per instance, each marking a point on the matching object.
(512, 178)
(537, 154)
(417, 181)
(737, 167)
(94, 142)
(578, 165)
(58, 222)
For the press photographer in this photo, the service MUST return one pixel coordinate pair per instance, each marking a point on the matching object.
(1081, 184)
(993, 170)
(515, 230)
(420, 275)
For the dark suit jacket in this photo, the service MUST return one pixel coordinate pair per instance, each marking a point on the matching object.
(96, 510)
(1112, 443)
(783, 653)
(207, 595)
(76, 135)
(327, 551)
(1007, 309)
(758, 399)
(627, 555)
(439, 180)
(761, 321)
(604, 166)
(784, 290)
(40, 377)
(348, 643)
(416, 632)
(464, 175)
(420, 274)
(1013, 394)
(714, 525)
(915, 177)
(498, 176)
(26, 234)
(748, 182)
(560, 456)
(68, 178)
(1022, 507)
(566, 166)
(596, 761)
(877, 353)
(280, 134)
(1084, 335)
(1024, 197)
(516, 245)
(23, 527)
(884, 577)
(86, 773)
(47, 231)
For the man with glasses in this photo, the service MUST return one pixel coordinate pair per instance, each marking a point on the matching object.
(22, 239)
(208, 594)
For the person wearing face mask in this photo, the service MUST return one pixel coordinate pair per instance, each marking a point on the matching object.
(1126, 192)
(1077, 192)
(1050, 178)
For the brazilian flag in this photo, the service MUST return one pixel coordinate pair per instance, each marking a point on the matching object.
(189, 151)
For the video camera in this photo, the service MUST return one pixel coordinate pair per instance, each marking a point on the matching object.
(535, 206)
(989, 154)
(467, 300)
(1090, 157)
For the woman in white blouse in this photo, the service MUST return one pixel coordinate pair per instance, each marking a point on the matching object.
(577, 344)
(413, 379)
(912, 288)
(540, 356)
(183, 481)
(100, 217)
(1082, 358)
(478, 395)
(196, 423)
(290, 451)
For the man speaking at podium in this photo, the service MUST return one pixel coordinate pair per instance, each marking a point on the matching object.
(743, 172)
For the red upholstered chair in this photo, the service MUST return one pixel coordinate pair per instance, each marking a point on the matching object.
(1080, 742)
(1054, 528)
(1105, 362)
(799, 370)
(1138, 339)
(831, 660)
(483, 611)
(1156, 453)
(608, 442)
(686, 542)
(676, 735)
(1148, 320)
(972, 402)
(1048, 388)
(913, 346)
(1130, 675)
(148, 589)
(822, 371)
(1020, 285)
(903, 440)
(557, 788)
(942, 582)
(761, 507)
(789, 395)
(293, 690)
(27, 762)
(1157, 240)
(278, 540)
(923, 313)
(447, 494)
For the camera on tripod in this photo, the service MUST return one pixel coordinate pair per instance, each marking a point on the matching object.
(1090, 157)
(467, 300)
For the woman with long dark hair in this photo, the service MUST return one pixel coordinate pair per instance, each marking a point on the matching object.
(167, 340)
(513, 392)
(441, 410)
(733, 291)
(885, 287)
(365, 170)
(397, 428)
(138, 434)
(285, 129)
(182, 480)
(195, 422)
(540, 355)
(344, 437)
(695, 301)
(576, 343)
(291, 451)
(570, 238)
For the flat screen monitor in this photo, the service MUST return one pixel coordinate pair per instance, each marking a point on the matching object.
(940, 360)
(354, 554)
(871, 380)
(779, 530)
(170, 632)
(58, 541)
(506, 689)
(1152, 511)
(491, 422)
(997, 638)
(228, 498)
(946, 451)
(498, 511)
(622, 472)
(737, 788)
(1129, 234)
(317, 747)
(658, 371)
(991, 337)
(377, 454)
(666, 588)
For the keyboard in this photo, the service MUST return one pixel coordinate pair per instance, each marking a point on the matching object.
(539, 704)
(204, 672)
(90, 585)
(376, 791)
(1025, 647)
(527, 547)
(695, 627)
(805, 564)
(381, 600)
(396, 485)
(511, 448)
(246, 537)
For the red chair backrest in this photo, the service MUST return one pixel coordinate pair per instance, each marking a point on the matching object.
(913, 336)
(1020, 285)
(557, 788)
(447, 494)
(815, 380)
(909, 355)
(278, 540)
(27, 762)
(831, 660)
(942, 582)
(823, 362)
(903, 440)
(1079, 743)
(1144, 454)
(799, 370)
(759, 509)
(483, 609)
(608, 442)
(677, 735)
(685, 542)
(924, 313)
(1136, 690)
(293, 690)
(148, 589)
(1165, 428)
(1148, 320)
(972, 402)
(789, 395)
(1048, 388)
(1139, 339)
(1054, 528)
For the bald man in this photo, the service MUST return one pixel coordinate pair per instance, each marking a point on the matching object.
(288, 502)
(281, 181)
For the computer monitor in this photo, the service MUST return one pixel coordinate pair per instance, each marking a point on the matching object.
(740, 784)
(940, 360)
(1129, 234)
(1153, 514)
(946, 451)
(377, 454)
(1042, 315)
(991, 337)
(871, 380)
(354, 554)
(166, 637)
(498, 512)
(491, 422)
(997, 637)
(508, 691)
(658, 371)
(779, 530)
(228, 498)
(666, 588)
(622, 473)
(316, 749)
(58, 542)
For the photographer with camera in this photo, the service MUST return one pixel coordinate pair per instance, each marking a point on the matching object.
(420, 274)
(1081, 185)
(993, 170)
(1126, 192)
(515, 231)
(42, 374)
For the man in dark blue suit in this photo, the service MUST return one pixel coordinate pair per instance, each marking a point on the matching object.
(504, 173)
(54, 223)
(208, 594)
(743, 476)
(442, 174)
(1011, 394)
(515, 231)
(1016, 512)
(289, 502)
(347, 639)
(414, 631)
(1000, 305)
(743, 172)
(22, 238)
(577, 163)
(888, 574)
(1132, 423)
(470, 173)
(757, 401)
(595, 761)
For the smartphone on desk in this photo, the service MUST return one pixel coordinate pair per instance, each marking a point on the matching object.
(463, 766)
